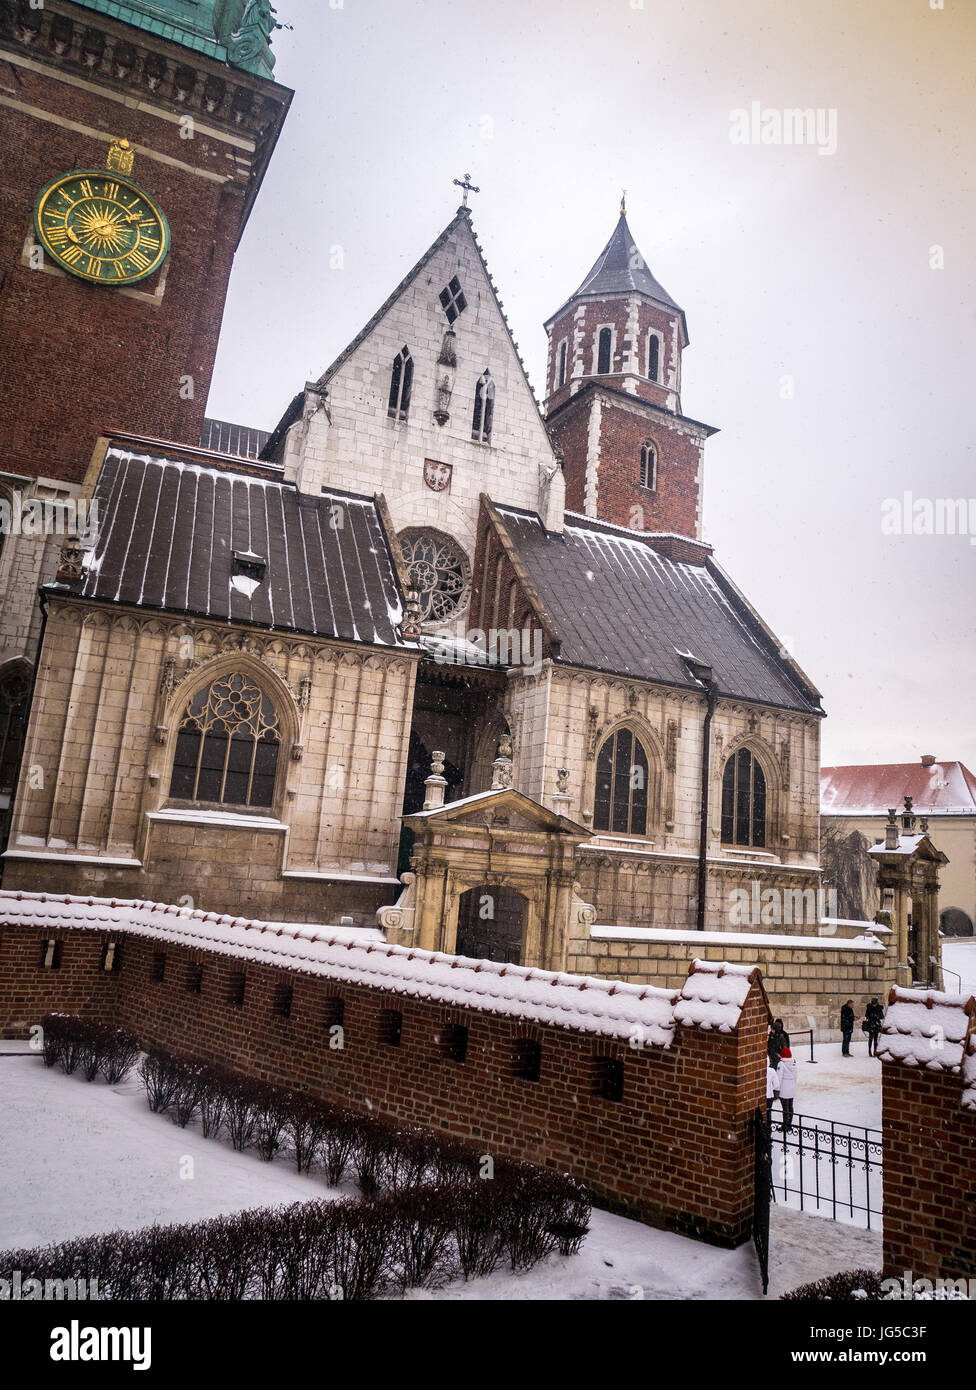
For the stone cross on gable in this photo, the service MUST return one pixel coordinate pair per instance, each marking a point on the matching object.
(468, 187)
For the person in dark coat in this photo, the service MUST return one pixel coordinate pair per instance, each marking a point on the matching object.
(874, 1018)
(777, 1040)
(847, 1027)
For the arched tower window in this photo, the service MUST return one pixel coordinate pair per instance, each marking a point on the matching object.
(484, 409)
(648, 466)
(561, 364)
(401, 381)
(653, 356)
(743, 801)
(604, 350)
(227, 745)
(622, 772)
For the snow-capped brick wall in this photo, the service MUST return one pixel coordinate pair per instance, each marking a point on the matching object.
(928, 1051)
(645, 1094)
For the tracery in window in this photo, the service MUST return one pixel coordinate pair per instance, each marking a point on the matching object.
(438, 571)
(401, 384)
(744, 801)
(227, 745)
(622, 772)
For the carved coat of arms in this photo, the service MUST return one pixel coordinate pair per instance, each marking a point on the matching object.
(437, 476)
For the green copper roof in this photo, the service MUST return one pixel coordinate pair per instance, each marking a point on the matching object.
(231, 31)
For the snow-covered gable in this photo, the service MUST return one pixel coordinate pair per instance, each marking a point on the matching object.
(362, 448)
(607, 1008)
(927, 1028)
(713, 995)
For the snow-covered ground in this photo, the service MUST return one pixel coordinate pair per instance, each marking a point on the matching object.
(960, 956)
(77, 1158)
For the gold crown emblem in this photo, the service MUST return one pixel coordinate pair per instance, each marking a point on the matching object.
(121, 157)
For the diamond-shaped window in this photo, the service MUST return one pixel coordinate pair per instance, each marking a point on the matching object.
(453, 301)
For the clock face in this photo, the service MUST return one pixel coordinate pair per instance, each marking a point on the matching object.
(101, 227)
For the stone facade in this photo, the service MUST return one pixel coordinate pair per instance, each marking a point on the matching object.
(95, 806)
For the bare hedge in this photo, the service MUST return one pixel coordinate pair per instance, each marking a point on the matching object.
(431, 1209)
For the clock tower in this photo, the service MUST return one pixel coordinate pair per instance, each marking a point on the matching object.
(134, 137)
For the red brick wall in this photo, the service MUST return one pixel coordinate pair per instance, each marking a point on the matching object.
(624, 428)
(81, 360)
(675, 1152)
(929, 1175)
(597, 314)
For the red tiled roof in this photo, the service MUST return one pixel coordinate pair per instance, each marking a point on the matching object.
(939, 789)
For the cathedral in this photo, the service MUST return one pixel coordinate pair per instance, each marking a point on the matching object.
(428, 659)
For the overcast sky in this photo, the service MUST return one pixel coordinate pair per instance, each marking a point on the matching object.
(789, 264)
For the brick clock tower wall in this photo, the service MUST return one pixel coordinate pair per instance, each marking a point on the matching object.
(82, 359)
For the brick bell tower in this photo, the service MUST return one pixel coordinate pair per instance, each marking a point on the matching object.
(614, 399)
(112, 323)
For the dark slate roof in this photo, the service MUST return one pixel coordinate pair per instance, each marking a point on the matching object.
(620, 269)
(225, 438)
(621, 607)
(167, 531)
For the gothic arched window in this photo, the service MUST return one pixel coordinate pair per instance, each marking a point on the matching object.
(401, 380)
(743, 801)
(622, 771)
(653, 356)
(648, 466)
(227, 745)
(604, 349)
(484, 409)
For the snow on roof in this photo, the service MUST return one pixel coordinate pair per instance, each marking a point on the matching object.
(937, 788)
(927, 1028)
(713, 995)
(606, 1007)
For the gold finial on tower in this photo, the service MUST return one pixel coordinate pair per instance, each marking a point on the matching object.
(121, 157)
(623, 202)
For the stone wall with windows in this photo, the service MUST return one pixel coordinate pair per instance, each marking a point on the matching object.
(365, 444)
(95, 806)
(645, 874)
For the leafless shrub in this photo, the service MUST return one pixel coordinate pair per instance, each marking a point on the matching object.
(271, 1112)
(240, 1117)
(308, 1123)
(161, 1078)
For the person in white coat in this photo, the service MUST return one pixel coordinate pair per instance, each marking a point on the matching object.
(772, 1082)
(786, 1085)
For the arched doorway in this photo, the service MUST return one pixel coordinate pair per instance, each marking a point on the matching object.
(491, 924)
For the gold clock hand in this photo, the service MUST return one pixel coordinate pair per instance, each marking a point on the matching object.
(72, 236)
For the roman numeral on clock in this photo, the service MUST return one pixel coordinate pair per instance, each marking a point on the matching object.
(72, 254)
(139, 260)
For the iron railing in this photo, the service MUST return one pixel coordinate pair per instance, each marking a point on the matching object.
(828, 1167)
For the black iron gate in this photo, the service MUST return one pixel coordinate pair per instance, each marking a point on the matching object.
(829, 1167)
(762, 1192)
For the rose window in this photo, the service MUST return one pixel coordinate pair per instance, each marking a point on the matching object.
(438, 571)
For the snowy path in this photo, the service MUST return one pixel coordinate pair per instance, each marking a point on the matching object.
(78, 1158)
